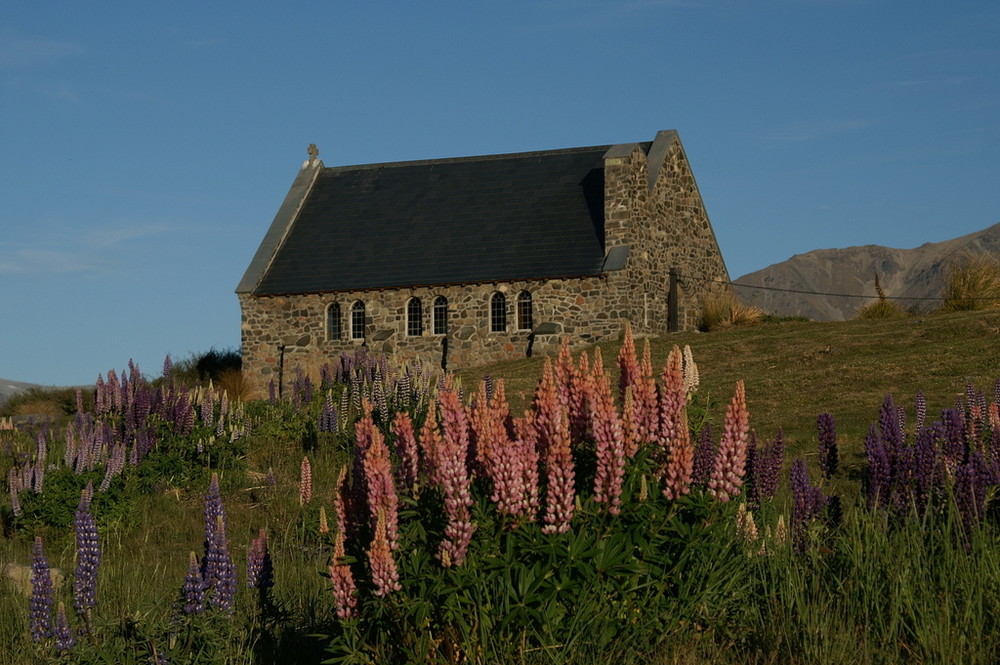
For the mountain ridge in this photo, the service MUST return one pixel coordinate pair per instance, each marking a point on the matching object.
(831, 284)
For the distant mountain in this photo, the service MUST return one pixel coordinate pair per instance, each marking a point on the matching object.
(10, 388)
(802, 282)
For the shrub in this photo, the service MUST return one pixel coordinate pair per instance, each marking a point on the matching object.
(881, 309)
(724, 309)
(973, 284)
(208, 366)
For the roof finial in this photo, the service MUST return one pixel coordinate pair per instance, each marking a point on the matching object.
(313, 152)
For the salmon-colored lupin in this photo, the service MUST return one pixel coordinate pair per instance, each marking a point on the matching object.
(730, 460)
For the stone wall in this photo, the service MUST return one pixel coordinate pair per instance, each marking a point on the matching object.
(655, 207)
(585, 309)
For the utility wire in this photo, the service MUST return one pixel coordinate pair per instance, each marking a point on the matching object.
(820, 293)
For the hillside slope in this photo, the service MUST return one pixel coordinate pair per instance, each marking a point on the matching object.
(914, 274)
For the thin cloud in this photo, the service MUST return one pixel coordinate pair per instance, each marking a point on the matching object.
(22, 53)
(110, 237)
(95, 251)
(814, 131)
(45, 262)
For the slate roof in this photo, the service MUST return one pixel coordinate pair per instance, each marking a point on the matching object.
(508, 217)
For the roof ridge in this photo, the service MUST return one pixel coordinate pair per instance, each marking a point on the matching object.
(470, 158)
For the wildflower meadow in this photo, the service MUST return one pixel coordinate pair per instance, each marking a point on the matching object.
(391, 514)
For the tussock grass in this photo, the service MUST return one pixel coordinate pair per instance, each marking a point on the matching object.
(973, 284)
(881, 309)
(723, 310)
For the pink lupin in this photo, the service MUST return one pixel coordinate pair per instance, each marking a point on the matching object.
(730, 461)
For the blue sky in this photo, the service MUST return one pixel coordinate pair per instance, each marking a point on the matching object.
(145, 147)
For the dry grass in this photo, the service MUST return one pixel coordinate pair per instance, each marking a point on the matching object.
(723, 310)
(973, 284)
(235, 385)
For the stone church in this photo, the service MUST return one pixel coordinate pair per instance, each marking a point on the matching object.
(469, 260)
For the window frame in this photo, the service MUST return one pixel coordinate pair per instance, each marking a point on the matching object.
(525, 310)
(334, 333)
(439, 316)
(414, 318)
(358, 331)
(498, 312)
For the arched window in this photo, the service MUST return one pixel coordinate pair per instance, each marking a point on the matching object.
(333, 321)
(358, 320)
(414, 318)
(498, 312)
(524, 311)
(440, 315)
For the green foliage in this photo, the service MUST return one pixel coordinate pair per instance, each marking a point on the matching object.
(56, 505)
(612, 584)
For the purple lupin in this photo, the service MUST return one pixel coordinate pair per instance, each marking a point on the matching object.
(64, 635)
(879, 469)
(88, 556)
(808, 503)
(194, 587)
(40, 605)
(218, 571)
(827, 444)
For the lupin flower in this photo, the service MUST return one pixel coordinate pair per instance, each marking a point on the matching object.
(746, 526)
(218, 571)
(767, 462)
(40, 605)
(827, 444)
(13, 485)
(609, 440)
(383, 502)
(630, 426)
(808, 503)
(64, 639)
(324, 526)
(628, 362)
(690, 370)
(921, 409)
(676, 448)
(730, 462)
(406, 450)
(384, 573)
(971, 480)
(552, 425)
(453, 473)
(345, 591)
(194, 587)
(88, 555)
(879, 480)
(260, 569)
(305, 481)
(704, 456)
